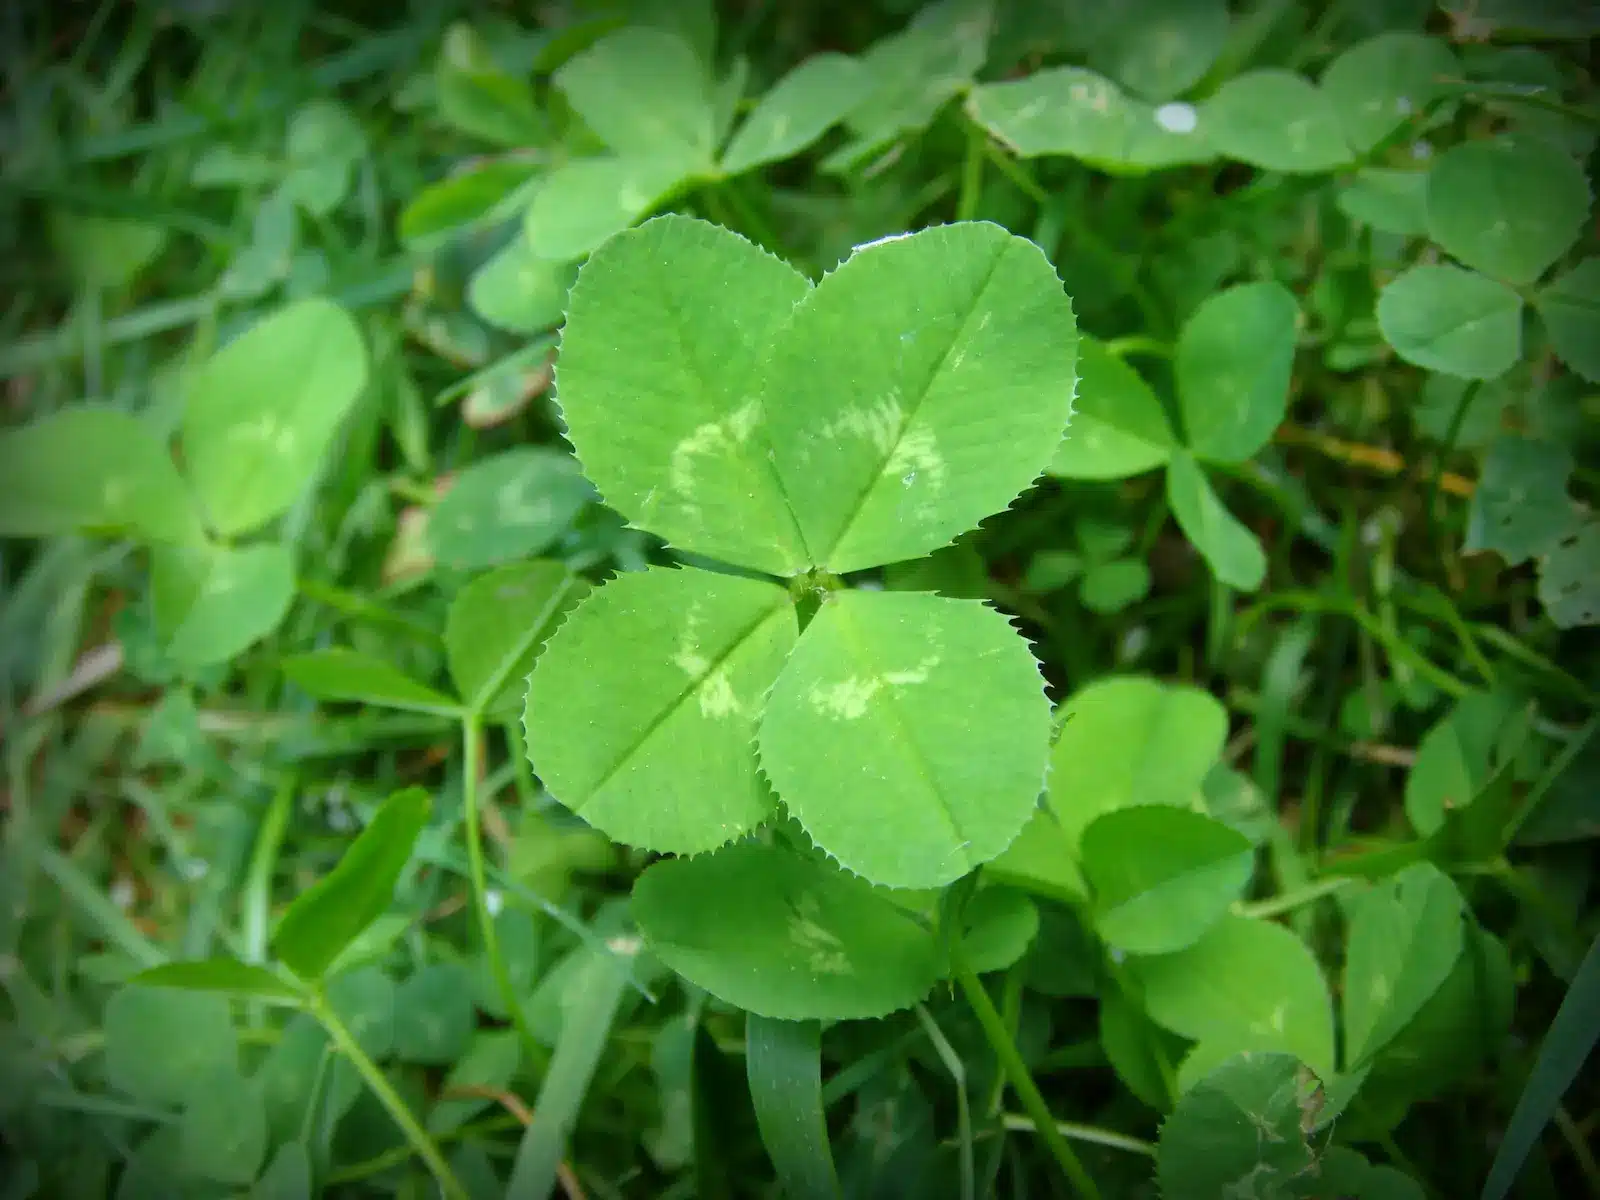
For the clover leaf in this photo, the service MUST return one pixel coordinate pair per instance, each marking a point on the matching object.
(797, 110)
(1520, 507)
(1378, 84)
(908, 734)
(1454, 321)
(784, 935)
(1080, 113)
(1105, 758)
(1570, 307)
(1241, 1131)
(1160, 48)
(957, 348)
(643, 92)
(92, 468)
(1277, 120)
(1226, 543)
(1162, 876)
(262, 411)
(1233, 364)
(1508, 207)
(642, 712)
(1245, 985)
(659, 383)
(1405, 937)
(1120, 427)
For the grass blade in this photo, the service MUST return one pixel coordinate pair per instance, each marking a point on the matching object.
(952, 1063)
(91, 902)
(591, 1005)
(1572, 1036)
(784, 1063)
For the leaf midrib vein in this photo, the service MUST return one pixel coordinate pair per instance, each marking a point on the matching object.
(668, 710)
(921, 393)
(924, 768)
(702, 377)
(495, 681)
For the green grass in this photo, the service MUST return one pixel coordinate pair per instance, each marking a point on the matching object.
(1332, 590)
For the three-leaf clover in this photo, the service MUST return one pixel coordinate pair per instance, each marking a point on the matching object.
(1233, 365)
(258, 416)
(647, 94)
(1111, 578)
(1506, 210)
(1521, 509)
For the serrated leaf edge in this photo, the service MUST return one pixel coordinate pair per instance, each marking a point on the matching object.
(527, 741)
(779, 331)
(1043, 790)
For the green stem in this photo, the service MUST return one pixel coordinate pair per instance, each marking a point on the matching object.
(397, 1156)
(1398, 1157)
(958, 1073)
(517, 361)
(1287, 901)
(1011, 1014)
(424, 1145)
(1383, 578)
(477, 877)
(1524, 892)
(1018, 174)
(1398, 649)
(62, 344)
(1083, 1133)
(1125, 270)
(257, 897)
(263, 859)
(1431, 505)
(1139, 343)
(308, 1118)
(85, 895)
(1320, 37)
(729, 207)
(1219, 614)
(1546, 780)
(1016, 1070)
(754, 220)
(1133, 996)
(971, 173)
(1508, 645)
(1442, 609)
(1579, 1145)
(715, 207)
(1250, 30)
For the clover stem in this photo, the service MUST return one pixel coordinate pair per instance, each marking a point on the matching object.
(972, 173)
(471, 751)
(1016, 1070)
(1084, 1133)
(1284, 902)
(1138, 343)
(1119, 977)
(1435, 477)
(808, 591)
(424, 1145)
(1219, 614)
